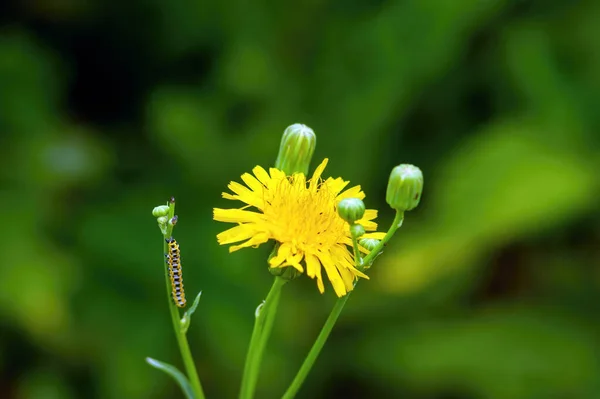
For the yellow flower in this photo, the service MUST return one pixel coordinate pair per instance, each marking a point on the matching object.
(301, 215)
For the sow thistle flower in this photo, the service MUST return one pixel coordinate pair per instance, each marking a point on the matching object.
(301, 215)
(316, 224)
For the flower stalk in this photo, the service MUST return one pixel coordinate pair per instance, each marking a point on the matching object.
(263, 324)
(314, 352)
(184, 347)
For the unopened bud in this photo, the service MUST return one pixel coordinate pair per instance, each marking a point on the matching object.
(369, 243)
(296, 150)
(162, 210)
(357, 230)
(404, 187)
(351, 209)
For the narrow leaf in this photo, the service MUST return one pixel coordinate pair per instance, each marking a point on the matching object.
(176, 374)
(187, 316)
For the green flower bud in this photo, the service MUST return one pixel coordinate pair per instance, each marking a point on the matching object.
(351, 209)
(369, 243)
(404, 187)
(162, 224)
(162, 210)
(357, 230)
(296, 150)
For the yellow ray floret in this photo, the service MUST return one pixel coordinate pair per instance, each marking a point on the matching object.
(302, 217)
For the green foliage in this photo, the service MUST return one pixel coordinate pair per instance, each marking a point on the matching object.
(177, 375)
(490, 289)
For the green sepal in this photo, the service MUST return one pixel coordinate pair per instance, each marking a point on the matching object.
(177, 375)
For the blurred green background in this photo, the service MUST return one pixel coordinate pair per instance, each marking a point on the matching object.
(490, 290)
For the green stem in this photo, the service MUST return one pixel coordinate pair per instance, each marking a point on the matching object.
(357, 258)
(182, 341)
(184, 347)
(333, 316)
(258, 342)
(392, 230)
(316, 348)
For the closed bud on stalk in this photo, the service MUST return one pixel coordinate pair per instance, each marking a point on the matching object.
(351, 209)
(369, 243)
(357, 230)
(162, 210)
(404, 187)
(296, 150)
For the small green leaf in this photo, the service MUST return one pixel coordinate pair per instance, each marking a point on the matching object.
(176, 374)
(187, 316)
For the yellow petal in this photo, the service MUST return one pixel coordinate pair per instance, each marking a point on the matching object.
(235, 215)
(347, 278)
(253, 183)
(377, 236)
(235, 234)
(314, 181)
(262, 175)
(296, 266)
(295, 260)
(253, 242)
(312, 265)
(335, 185)
(369, 226)
(332, 273)
(277, 174)
(353, 192)
(299, 179)
(282, 254)
(245, 195)
(370, 214)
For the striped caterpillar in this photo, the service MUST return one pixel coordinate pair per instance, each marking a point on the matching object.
(174, 262)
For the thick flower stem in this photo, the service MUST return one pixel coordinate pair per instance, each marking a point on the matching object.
(333, 316)
(260, 335)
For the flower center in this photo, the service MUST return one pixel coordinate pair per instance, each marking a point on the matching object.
(305, 217)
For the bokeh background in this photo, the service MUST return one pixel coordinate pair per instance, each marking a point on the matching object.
(107, 108)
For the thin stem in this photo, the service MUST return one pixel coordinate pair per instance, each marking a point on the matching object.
(316, 348)
(335, 313)
(392, 230)
(357, 258)
(184, 347)
(258, 342)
